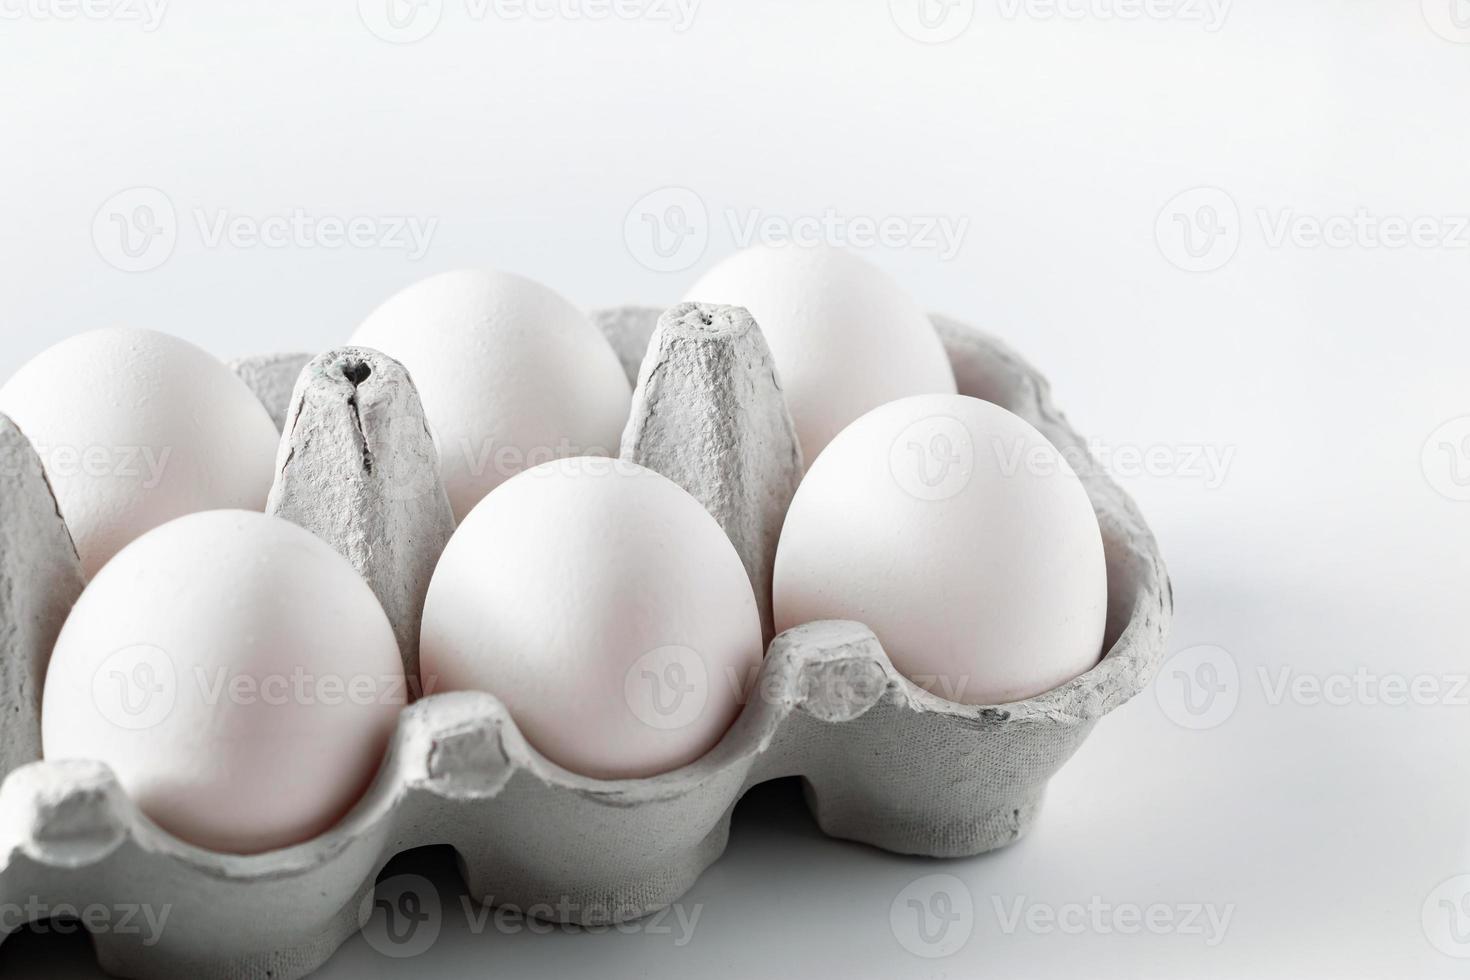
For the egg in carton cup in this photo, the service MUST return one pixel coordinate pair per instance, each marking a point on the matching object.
(882, 760)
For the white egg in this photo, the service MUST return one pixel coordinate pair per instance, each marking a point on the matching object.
(608, 611)
(845, 336)
(510, 373)
(957, 533)
(135, 428)
(237, 675)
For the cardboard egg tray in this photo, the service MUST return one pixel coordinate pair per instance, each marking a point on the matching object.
(883, 761)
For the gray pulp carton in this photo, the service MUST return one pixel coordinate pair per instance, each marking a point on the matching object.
(883, 761)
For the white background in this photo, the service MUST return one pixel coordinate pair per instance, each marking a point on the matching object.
(1327, 542)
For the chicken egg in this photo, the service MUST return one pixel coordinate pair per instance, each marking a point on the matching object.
(846, 338)
(510, 373)
(961, 537)
(237, 675)
(605, 608)
(135, 428)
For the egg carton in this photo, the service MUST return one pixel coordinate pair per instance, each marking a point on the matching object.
(883, 761)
